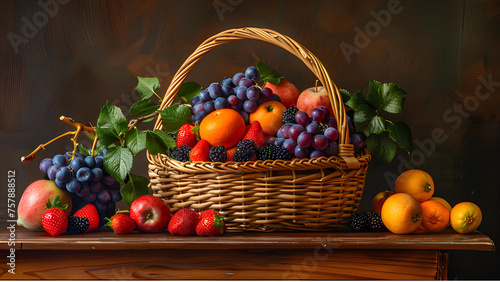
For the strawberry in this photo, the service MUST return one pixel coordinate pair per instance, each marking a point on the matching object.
(90, 212)
(54, 219)
(230, 154)
(184, 222)
(121, 223)
(256, 134)
(200, 151)
(210, 224)
(187, 135)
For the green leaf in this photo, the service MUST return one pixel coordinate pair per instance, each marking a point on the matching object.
(174, 117)
(106, 136)
(188, 90)
(111, 117)
(267, 74)
(393, 98)
(143, 108)
(345, 95)
(363, 117)
(118, 162)
(146, 86)
(377, 125)
(356, 100)
(373, 97)
(382, 147)
(400, 132)
(83, 150)
(136, 186)
(135, 140)
(99, 147)
(158, 142)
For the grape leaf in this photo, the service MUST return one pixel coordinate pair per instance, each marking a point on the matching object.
(363, 116)
(373, 97)
(401, 134)
(393, 98)
(345, 95)
(136, 186)
(356, 100)
(158, 142)
(118, 162)
(135, 140)
(83, 150)
(106, 136)
(381, 146)
(188, 90)
(111, 117)
(146, 86)
(174, 117)
(267, 74)
(143, 108)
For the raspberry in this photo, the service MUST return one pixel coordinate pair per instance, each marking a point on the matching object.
(289, 115)
(245, 151)
(217, 154)
(181, 154)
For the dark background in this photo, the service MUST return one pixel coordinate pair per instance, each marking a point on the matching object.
(83, 53)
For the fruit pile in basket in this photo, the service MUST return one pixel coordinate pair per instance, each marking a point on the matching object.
(413, 208)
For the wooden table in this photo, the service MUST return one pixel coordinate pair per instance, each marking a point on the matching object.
(339, 255)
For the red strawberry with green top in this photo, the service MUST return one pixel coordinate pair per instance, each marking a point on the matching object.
(90, 212)
(256, 134)
(230, 153)
(200, 152)
(54, 219)
(184, 222)
(187, 135)
(121, 223)
(211, 224)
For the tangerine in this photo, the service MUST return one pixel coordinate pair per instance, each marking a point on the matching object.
(270, 117)
(465, 217)
(224, 127)
(401, 213)
(442, 202)
(435, 216)
(416, 182)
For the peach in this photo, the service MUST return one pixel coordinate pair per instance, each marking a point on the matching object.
(312, 98)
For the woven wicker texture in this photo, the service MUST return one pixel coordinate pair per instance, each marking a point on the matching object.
(307, 194)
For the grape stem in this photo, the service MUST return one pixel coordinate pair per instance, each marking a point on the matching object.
(133, 122)
(79, 128)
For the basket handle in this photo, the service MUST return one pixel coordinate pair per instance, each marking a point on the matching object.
(346, 150)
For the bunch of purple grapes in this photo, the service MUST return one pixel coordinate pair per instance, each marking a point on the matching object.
(86, 179)
(240, 93)
(314, 136)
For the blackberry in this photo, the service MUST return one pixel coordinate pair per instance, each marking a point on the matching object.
(172, 135)
(245, 151)
(77, 225)
(181, 154)
(289, 115)
(217, 154)
(359, 222)
(273, 152)
(375, 222)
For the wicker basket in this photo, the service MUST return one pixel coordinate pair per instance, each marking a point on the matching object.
(306, 194)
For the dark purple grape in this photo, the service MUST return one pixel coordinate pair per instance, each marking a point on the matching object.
(84, 174)
(350, 123)
(45, 164)
(111, 207)
(63, 174)
(252, 73)
(115, 195)
(204, 96)
(245, 116)
(100, 207)
(249, 106)
(233, 100)
(290, 145)
(89, 161)
(357, 140)
(215, 90)
(89, 198)
(221, 103)
(325, 111)
(247, 82)
(59, 161)
(266, 93)
(198, 107)
(227, 81)
(61, 184)
(97, 174)
(73, 185)
(316, 154)
(108, 180)
(194, 100)
(200, 116)
(103, 196)
(95, 187)
(317, 115)
(331, 149)
(84, 190)
(304, 139)
(313, 128)
(279, 141)
(283, 131)
(77, 163)
(114, 186)
(227, 91)
(241, 92)
(302, 118)
(331, 122)
(332, 134)
(253, 93)
(234, 107)
(295, 130)
(319, 142)
(237, 77)
(51, 172)
(301, 152)
(275, 98)
(208, 107)
(99, 162)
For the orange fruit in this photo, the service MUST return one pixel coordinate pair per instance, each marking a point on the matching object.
(402, 213)
(270, 117)
(465, 217)
(224, 127)
(287, 91)
(442, 202)
(435, 216)
(416, 182)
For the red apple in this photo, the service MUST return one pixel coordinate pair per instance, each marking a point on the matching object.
(150, 214)
(287, 91)
(314, 97)
(379, 199)
(34, 200)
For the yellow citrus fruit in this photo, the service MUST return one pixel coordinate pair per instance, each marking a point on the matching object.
(224, 127)
(402, 213)
(416, 182)
(465, 217)
(270, 117)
